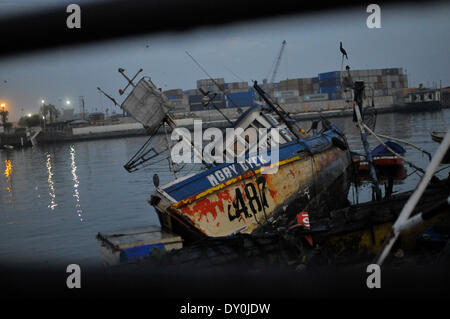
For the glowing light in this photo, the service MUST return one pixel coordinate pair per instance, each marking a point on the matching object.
(76, 194)
(42, 101)
(52, 194)
(67, 102)
(8, 168)
(29, 114)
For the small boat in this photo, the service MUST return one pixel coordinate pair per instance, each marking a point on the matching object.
(437, 136)
(7, 147)
(382, 156)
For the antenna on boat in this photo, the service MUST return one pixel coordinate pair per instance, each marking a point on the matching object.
(130, 81)
(108, 96)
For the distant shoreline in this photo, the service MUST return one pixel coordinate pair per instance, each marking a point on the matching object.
(14, 139)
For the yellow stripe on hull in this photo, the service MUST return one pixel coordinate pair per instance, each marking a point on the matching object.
(241, 204)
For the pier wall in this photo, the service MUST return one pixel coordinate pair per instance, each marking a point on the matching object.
(294, 108)
(106, 129)
(209, 115)
(335, 105)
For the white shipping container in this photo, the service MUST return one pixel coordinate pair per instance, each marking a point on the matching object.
(287, 93)
(315, 97)
(292, 100)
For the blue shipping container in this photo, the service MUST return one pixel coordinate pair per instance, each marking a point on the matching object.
(241, 98)
(330, 82)
(329, 75)
(331, 89)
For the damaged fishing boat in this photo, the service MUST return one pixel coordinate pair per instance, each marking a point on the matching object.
(239, 196)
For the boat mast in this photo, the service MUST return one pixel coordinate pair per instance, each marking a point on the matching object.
(358, 91)
(358, 88)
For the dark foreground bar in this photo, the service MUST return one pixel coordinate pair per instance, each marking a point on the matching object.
(231, 284)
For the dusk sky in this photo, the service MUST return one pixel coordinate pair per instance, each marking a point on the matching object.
(414, 38)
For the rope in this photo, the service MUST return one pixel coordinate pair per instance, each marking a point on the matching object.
(405, 142)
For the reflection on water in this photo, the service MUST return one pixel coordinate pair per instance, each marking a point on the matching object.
(8, 168)
(51, 187)
(8, 172)
(90, 191)
(76, 194)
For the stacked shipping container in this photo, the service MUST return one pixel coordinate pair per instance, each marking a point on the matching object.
(302, 85)
(380, 82)
(330, 83)
(178, 100)
(384, 82)
(197, 102)
(234, 87)
(240, 99)
(209, 84)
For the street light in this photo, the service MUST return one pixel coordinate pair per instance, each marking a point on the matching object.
(42, 113)
(68, 102)
(4, 115)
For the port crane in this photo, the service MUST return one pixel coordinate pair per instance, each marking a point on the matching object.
(278, 60)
